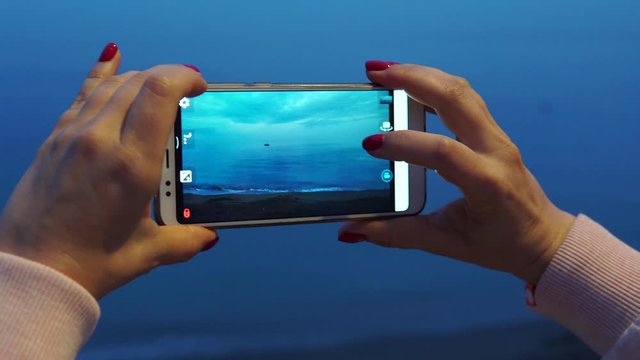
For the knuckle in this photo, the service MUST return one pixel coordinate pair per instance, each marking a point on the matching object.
(456, 89)
(158, 257)
(49, 146)
(100, 95)
(129, 74)
(505, 191)
(513, 155)
(57, 140)
(135, 78)
(83, 95)
(145, 267)
(90, 144)
(159, 85)
(67, 116)
(108, 86)
(129, 84)
(499, 186)
(444, 149)
(152, 260)
(461, 82)
(95, 82)
(95, 74)
(485, 174)
(114, 80)
(65, 136)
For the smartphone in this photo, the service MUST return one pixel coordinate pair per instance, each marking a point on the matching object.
(268, 154)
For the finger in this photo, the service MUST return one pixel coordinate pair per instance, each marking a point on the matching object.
(178, 243)
(461, 109)
(145, 119)
(415, 232)
(101, 96)
(113, 112)
(454, 161)
(107, 66)
(147, 210)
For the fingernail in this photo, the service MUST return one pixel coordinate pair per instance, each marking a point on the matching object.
(108, 52)
(373, 142)
(209, 245)
(377, 65)
(192, 67)
(351, 238)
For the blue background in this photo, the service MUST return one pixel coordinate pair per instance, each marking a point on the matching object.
(560, 76)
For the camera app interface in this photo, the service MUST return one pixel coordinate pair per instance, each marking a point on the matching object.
(281, 154)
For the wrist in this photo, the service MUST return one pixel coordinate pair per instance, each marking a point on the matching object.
(552, 233)
(51, 257)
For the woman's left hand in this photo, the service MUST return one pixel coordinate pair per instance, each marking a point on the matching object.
(503, 221)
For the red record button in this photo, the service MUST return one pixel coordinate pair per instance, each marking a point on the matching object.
(186, 213)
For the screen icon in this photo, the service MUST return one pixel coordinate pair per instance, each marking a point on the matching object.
(386, 175)
(186, 137)
(184, 103)
(186, 176)
(386, 100)
(386, 126)
(186, 213)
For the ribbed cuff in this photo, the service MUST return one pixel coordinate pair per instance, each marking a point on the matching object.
(592, 285)
(43, 313)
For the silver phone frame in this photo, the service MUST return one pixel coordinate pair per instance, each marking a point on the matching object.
(165, 200)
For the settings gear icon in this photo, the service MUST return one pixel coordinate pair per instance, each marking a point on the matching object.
(184, 103)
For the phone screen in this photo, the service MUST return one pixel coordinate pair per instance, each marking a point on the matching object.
(265, 154)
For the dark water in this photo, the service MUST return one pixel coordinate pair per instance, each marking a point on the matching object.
(560, 77)
(298, 168)
(278, 205)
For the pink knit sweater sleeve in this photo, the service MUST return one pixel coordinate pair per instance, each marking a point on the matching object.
(43, 314)
(592, 287)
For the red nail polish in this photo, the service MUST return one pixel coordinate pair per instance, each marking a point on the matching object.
(109, 52)
(351, 238)
(192, 67)
(377, 65)
(209, 245)
(373, 142)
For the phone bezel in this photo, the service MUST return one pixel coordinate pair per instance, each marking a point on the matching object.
(166, 201)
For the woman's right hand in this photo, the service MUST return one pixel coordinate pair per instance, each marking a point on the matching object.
(504, 221)
(82, 208)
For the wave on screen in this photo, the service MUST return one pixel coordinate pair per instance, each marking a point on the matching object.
(226, 190)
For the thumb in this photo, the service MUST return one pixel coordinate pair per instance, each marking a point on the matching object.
(411, 232)
(179, 243)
